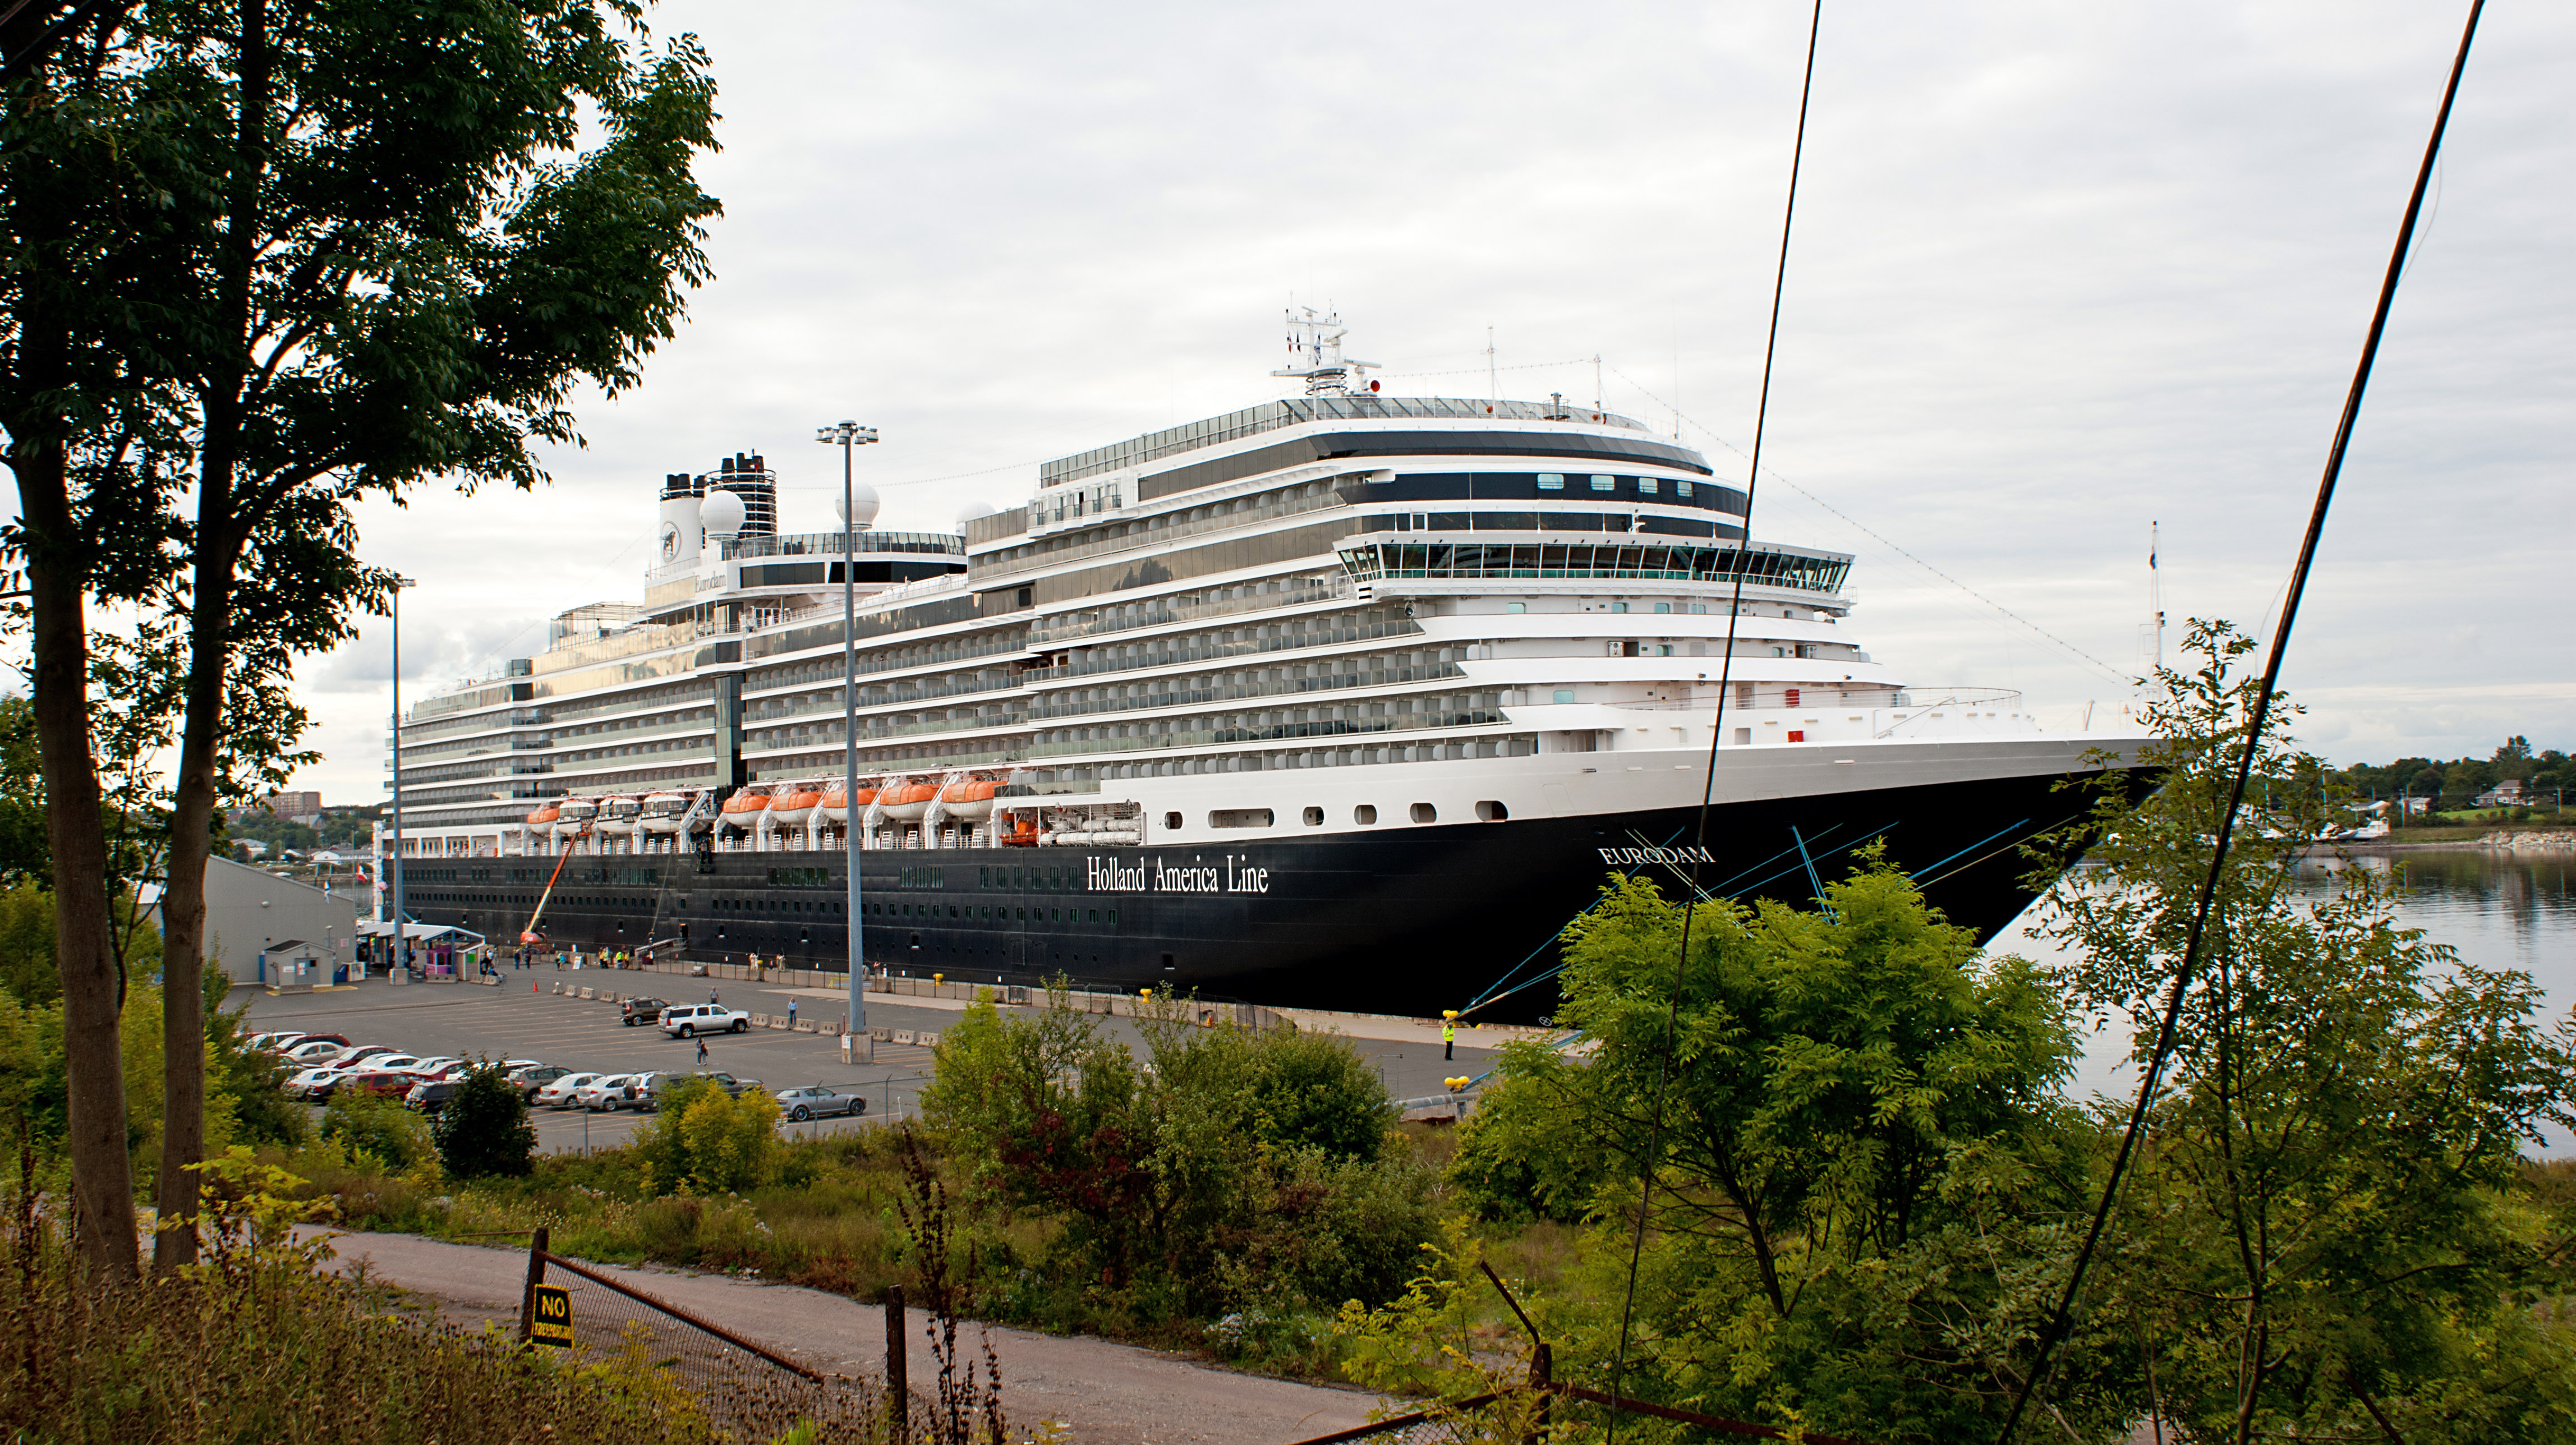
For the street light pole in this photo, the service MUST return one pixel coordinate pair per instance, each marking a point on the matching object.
(850, 435)
(401, 947)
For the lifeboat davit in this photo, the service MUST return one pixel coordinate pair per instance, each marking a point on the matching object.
(907, 802)
(968, 799)
(794, 804)
(576, 815)
(744, 808)
(542, 820)
(836, 802)
(662, 813)
(617, 815)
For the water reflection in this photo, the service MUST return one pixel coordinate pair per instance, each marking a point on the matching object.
(2499, 910)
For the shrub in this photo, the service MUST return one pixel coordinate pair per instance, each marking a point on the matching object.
(377, 1127)
(706, 1143)
(484, 1130)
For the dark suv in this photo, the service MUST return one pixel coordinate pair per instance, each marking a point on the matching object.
(654, 1086)
(429, 1096)
(641, 1011)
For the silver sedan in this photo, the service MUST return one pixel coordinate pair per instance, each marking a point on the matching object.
(818, 1102)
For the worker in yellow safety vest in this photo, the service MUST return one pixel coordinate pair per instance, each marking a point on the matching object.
(1448, 1038)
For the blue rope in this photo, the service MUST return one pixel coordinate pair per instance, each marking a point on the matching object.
(1971, 848)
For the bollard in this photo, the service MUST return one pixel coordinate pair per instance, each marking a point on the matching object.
(898, 1401)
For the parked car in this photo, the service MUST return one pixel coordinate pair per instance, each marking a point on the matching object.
(559, 1093)
(309, 1052)
(375, 1081)
(609, 1092)
(394, 1062)
(688, 1020)
(530, 1080)
(641, 1011)
(357, 1054)
(312, 1083)
(277, 1042)
(341, 1039)
(818, 1102)
(436, 1064)
(658, 1085)
(429, 1096)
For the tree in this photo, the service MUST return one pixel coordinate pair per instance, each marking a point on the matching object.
(2320, 1238)
(483, 1129)
(387, 245)
(704, 1141)
(1857, 1112)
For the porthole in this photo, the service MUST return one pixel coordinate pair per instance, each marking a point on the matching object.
(1425, 813)
(1491, 811)
(1314, 817)
(1365, 814)
(1172, 821)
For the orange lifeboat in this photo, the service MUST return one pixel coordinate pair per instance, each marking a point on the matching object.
(907, 802)
(744, 808)
(793, 805)
(836, 802)
(543, 817)
(968, 799)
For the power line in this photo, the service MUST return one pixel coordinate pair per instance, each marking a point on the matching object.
(2055, 1334)
(1651, 1161)
(1856, 525)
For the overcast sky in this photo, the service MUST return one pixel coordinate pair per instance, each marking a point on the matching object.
(2059, 271)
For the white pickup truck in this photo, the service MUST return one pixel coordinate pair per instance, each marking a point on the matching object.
(687, 1020)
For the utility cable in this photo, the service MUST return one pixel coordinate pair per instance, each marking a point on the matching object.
(2055, 1334)
(1717, 729)
(1858, 526)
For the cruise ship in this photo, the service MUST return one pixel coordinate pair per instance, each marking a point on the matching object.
(1348, 700)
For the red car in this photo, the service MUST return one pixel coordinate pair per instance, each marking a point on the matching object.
(389, 1083)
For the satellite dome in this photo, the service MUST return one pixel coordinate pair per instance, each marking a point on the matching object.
(863, 499)
(971, 511)
(722, 513)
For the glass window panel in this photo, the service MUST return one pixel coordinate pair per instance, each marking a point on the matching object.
(1605, 484)
(1551, 481)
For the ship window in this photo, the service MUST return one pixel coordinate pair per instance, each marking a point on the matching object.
(1490, 811)
(1605, 484)
(1645, 486)
(1565, 694)
(1425, 813)
(1682, 488)
(1314, 817)
(1095, 915)
(1240, 818)
(1172, 820)
(1618, 606)
(1113, 918)
(1364, 814)
(1663, 607)
(1551, 481)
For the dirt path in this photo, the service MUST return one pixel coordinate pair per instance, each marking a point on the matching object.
(1108, 1393)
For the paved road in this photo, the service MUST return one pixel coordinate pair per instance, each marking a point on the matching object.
(1108, 1393)
(522, 1020)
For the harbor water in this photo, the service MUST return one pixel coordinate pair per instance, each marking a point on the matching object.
(2499, 910)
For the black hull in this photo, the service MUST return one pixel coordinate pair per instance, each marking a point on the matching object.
(1397, 919)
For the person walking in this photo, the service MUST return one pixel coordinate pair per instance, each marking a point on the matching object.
(791, 1015)
(702, 1051)
(1448, 1038)
(711, 996)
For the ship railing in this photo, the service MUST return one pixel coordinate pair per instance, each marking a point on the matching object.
(834, 544)
(831, 673)
(1338, 588)
(1291, 687)
(1328, 637)
(1920, 702)
(1276, 732)
(1156, 536)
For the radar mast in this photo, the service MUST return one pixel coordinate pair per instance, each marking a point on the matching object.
(1315, 340)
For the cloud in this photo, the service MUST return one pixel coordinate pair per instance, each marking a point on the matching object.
(2059, 272)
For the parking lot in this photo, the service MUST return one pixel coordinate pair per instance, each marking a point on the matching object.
(523, 1019)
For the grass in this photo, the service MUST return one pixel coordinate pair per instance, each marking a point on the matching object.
(261, 1344)
(831, 1221)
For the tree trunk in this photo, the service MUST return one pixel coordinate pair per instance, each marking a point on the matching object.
(84, 947)
(57, 587)
(219, 538)
(183, 907)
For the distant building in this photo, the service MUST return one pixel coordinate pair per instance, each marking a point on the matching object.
(250, 911)
(298, 807)
(2511, 793)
